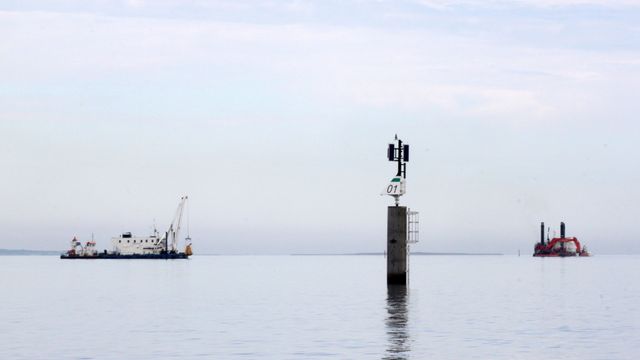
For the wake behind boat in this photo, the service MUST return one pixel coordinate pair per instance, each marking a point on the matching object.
(127, 246)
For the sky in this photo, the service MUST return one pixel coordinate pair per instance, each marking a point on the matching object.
(274, 118)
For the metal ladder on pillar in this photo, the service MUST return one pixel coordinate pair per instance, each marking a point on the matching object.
(414, 227)
(413, 234)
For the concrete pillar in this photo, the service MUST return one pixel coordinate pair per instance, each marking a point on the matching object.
(397, 245)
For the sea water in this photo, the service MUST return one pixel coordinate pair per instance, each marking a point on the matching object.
(305, 307)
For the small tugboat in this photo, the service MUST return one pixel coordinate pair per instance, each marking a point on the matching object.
(559, 247)
(127, 246)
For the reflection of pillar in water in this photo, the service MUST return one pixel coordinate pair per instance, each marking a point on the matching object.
(396, 323)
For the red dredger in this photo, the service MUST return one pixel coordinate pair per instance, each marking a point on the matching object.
(562, 246)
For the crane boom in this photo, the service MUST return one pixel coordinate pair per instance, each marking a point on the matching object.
(174, 228)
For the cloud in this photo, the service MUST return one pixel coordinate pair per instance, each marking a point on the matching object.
(450, 4)
(136, 3)
(411, 69)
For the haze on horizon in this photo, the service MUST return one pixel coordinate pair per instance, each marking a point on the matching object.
(274, 118)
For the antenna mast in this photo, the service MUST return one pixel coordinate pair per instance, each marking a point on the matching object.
(398, 152)
(188, 238)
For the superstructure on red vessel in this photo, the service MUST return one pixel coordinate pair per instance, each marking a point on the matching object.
(559, 246)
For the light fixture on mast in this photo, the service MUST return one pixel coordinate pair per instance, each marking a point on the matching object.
(398, 152)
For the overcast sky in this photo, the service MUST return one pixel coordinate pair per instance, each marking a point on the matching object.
(274, 118)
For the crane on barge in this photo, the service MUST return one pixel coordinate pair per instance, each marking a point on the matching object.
(127, 246)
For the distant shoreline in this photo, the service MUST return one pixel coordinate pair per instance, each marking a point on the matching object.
(10, 252)
(14, 252)
(413, 253)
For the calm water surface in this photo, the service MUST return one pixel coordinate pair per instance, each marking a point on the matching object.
(302, 307)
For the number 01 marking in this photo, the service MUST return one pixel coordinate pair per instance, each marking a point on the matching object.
(392, 189)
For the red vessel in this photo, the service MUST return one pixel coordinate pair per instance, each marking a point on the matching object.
(561, 247)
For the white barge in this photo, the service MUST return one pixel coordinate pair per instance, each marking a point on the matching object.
(127, 246)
